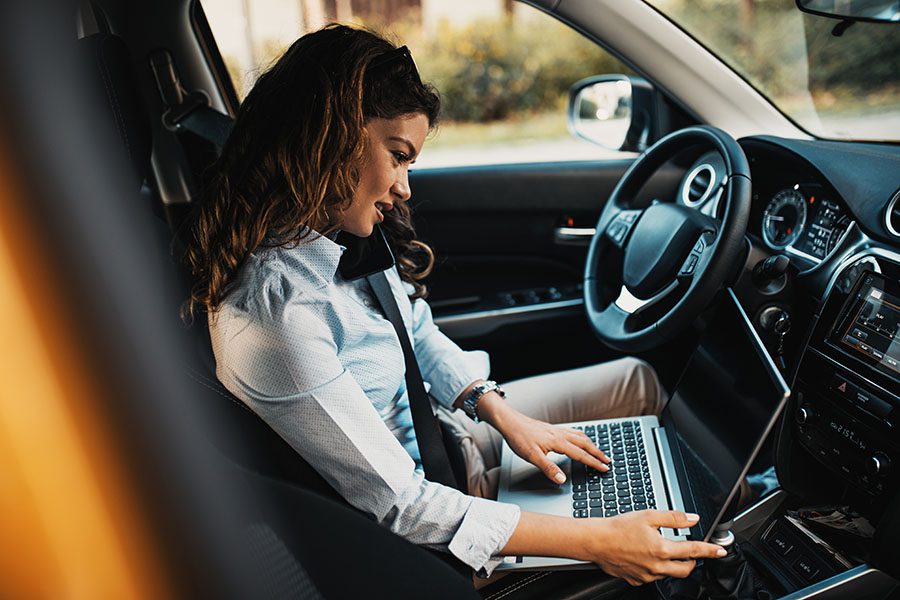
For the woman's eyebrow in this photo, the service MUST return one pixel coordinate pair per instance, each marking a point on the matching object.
(412, 149)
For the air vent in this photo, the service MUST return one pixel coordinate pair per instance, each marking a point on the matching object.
(892, 215)
(698, 186)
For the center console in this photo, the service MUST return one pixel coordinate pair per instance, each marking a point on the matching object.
(847, 409)
(839, 448)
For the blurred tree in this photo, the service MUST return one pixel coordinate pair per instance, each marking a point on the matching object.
(314, 16)
(747, 12)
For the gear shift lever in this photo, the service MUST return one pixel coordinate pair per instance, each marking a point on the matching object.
(730, 577)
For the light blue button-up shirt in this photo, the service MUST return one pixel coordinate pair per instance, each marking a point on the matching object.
(312, 355)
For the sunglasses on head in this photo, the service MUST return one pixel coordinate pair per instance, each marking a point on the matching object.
(401, 54)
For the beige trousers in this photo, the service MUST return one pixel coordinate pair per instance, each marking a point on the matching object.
(621, 388)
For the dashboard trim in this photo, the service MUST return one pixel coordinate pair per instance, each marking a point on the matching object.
(857, 256)
(863, 576)
(791, 250)
(470, 324)
(710, 187)
(887, 214)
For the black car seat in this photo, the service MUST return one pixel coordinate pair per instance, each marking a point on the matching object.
(271, 455)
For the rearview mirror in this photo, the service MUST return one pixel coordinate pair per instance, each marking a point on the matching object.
(854, 10)
(611, 111)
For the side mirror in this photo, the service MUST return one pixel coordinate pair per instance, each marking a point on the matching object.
(612, 111)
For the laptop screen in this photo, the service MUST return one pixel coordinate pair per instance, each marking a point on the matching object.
(727, 401)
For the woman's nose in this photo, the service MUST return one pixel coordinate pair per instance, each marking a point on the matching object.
(401, 186)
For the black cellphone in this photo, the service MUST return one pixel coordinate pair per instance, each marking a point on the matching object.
(364, 256)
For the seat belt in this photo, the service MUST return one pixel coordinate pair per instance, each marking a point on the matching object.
(435, 461)
(187, 111)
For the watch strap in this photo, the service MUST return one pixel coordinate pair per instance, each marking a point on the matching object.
(470, 402)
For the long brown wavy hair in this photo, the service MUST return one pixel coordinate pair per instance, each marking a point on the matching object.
(292, 159)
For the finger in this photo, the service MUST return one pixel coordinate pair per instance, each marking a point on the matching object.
(674, 519)
(550, 468)
(582, 456)
(677, 568)
(694, 550)
(583, 441)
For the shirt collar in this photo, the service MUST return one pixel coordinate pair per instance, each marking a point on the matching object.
(320, 253)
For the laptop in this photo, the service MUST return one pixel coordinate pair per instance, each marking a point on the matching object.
(692, 458)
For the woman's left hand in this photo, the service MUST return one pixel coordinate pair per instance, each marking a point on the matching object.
(532, 440)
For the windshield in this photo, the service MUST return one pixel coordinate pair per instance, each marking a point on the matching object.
(833, 78)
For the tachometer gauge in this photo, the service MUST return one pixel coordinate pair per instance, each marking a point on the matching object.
(784, 218)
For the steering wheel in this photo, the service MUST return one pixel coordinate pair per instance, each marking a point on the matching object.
(650, 271)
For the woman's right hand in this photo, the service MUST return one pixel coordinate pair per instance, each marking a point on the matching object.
(630, 546)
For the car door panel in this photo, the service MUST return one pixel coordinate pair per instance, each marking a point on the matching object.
(505, 280)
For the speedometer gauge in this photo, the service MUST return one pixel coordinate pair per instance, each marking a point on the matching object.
(784, 218)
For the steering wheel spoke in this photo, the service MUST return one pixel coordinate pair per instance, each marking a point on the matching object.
(697, 259)
(620, 226)
(631, 304)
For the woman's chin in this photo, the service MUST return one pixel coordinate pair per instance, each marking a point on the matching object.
(362, 230)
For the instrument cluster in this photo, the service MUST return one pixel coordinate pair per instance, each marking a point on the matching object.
(804, 220)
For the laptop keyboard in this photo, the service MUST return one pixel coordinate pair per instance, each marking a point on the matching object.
(626, 486)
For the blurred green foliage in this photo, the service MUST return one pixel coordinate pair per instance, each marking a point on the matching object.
(521, 65)
(493, 69)
(786, 53)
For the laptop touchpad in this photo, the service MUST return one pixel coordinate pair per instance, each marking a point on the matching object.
(525, 477)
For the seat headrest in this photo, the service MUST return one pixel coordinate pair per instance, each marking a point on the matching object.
(111, 62)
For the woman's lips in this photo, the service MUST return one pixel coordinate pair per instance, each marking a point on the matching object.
(381, 208)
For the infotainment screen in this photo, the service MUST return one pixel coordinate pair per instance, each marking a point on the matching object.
(870, 327)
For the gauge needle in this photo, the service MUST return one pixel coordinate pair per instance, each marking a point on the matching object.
(774, 218)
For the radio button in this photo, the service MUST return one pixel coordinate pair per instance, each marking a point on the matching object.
(860, 397)
(874, 405)
(842, 386)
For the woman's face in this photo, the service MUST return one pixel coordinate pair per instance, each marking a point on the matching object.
(392, 145)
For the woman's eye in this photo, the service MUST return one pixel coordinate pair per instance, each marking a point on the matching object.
(401, 157)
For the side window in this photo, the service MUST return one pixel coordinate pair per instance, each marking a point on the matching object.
(503, 71)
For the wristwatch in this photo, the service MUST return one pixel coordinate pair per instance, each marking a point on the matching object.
(470, 402)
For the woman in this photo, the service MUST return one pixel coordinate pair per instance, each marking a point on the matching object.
(323, 144)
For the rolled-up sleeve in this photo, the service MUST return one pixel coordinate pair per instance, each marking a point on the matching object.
(305, 394)
(447, 367)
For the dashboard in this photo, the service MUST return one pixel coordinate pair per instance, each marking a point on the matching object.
(832, 210)
(796, 211)
(807, 195)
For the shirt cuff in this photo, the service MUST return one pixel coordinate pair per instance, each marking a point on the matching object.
(459, 374)
(484, 531)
